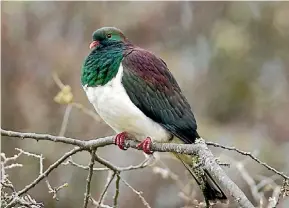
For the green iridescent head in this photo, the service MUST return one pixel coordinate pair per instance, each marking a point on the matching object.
(107, 36)
(102, 63)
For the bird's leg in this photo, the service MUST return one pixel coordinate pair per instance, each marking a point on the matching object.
(119, 140)
(145, 145)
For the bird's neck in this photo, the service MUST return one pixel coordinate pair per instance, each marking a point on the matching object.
(101, 66)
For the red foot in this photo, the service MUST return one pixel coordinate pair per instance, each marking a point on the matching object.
(119, 140)
(145, 145)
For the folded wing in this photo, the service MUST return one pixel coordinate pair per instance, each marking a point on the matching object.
(153, 89)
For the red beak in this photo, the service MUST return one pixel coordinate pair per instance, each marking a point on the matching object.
(93, 44)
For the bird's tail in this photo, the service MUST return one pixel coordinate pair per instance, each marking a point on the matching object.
(211, 190)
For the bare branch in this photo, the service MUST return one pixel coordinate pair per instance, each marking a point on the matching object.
(13, 158)
(209, 163)
(65, 120)
(284, 191)
(73, 163)
(14, 165)
(109, 179)
(88, 180)
(264, 181)
(43, 175)
(44, 137)
(207, 159)
(95, 203)
(57, 80)
(116, 191)
(139, 193)
(143, 164)
(46, 173)
(86, 111)
(273, 201)
(249, 155)
(106, 163)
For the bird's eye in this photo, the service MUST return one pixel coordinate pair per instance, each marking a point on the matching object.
(108, 35)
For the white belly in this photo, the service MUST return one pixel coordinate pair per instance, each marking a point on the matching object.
(115, 107)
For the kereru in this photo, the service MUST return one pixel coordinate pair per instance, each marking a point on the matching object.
(136, 95)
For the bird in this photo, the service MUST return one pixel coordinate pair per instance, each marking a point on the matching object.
(134, 92)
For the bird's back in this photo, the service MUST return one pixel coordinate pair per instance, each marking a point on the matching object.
(154, 90)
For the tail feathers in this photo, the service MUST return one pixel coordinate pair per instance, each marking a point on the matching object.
(211, 190)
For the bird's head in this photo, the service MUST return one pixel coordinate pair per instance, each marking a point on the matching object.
(106, 36)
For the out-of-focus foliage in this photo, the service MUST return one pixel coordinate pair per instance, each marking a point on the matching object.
(230, 58)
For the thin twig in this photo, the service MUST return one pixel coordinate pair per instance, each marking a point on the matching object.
(47, 172)
(106, 163)
(284, 191)
(50, 189)
(95, 203)
(65, 120)
(143, 164)
(259, 197)
(86, 111)
(139, 193)
(109, 179)
(120, 169)
(57, 80)
(89, 177)
(44, 174)
(13, 158)
(14, 165)
(249, 155)
(264, 180)
(71, 162)
(40, 157)
(115, 198)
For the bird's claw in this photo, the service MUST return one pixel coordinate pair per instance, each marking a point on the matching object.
(119, 140)
(145, 145)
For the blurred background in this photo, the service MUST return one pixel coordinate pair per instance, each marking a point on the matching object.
(230, 59)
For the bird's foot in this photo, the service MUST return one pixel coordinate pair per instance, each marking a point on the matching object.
(119, 140)
(145, 145)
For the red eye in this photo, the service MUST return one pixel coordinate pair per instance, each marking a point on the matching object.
(108, 35)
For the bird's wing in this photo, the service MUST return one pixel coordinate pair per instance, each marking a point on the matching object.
(153, 89)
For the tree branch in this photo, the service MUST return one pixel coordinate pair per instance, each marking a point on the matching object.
(44, 137)
(249, 155)
(200, 148)
(88, 180)
(109, 179)
(116, 191)
(139, 193)
(45, 174)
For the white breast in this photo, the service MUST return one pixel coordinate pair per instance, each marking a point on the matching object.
(115, 107)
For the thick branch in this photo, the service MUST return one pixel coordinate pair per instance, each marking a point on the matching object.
(209, 163)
